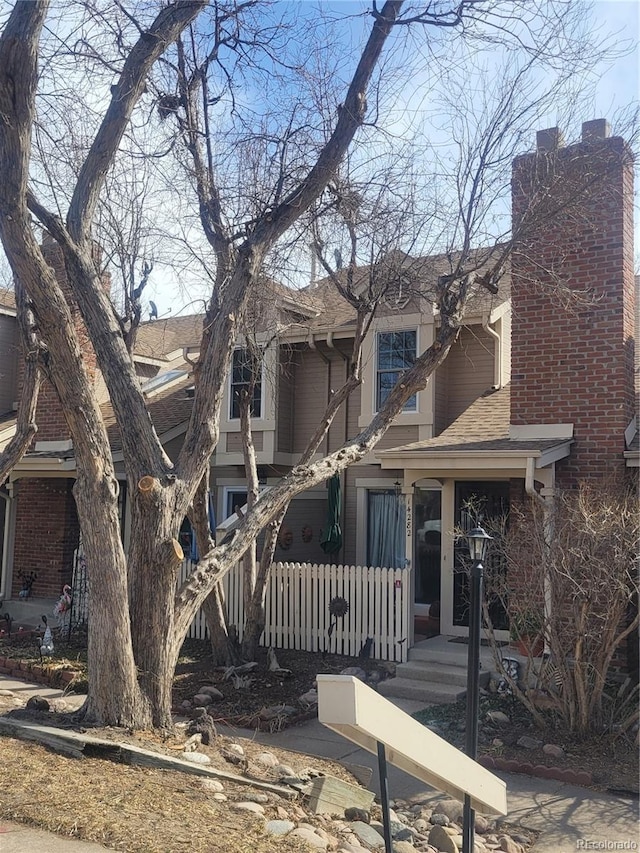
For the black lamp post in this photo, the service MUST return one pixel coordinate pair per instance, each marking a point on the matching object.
(478, 540)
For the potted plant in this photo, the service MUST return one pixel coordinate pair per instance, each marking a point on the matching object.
(526, 631)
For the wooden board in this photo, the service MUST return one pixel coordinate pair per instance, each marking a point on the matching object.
(329, 795)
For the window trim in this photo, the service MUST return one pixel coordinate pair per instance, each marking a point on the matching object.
(377, 370)
(254, 417)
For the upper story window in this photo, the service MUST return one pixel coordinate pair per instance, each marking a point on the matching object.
(396, 353)
(242, 370)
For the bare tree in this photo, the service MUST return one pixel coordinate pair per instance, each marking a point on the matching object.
(571, 583)
(133, 651)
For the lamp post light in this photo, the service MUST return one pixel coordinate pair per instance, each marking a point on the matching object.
(477, 540)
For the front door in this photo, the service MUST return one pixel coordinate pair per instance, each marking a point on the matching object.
(427, 548)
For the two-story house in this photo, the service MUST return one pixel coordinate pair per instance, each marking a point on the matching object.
(533, 395)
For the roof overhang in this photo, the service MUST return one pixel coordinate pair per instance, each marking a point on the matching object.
(444, 461)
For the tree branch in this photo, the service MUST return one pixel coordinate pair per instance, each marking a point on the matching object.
(168, 24)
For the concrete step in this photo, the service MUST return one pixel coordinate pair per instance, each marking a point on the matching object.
(431, 693)
(440, 673)
(457, 656)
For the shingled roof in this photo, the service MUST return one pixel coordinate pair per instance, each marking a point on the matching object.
(482, 427)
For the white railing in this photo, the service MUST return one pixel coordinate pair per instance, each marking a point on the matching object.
(297, 608)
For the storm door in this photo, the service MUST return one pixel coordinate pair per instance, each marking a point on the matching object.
(477, 504)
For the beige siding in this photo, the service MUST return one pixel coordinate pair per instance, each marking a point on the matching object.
(470, 370)
(396, 436)
(234, 442)
(287, 368)
(8, 363)
(315, 379)
(310, 514)
(440, 414)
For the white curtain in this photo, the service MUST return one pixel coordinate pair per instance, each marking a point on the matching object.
(386, 530)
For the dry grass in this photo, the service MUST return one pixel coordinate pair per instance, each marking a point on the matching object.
(127, 808)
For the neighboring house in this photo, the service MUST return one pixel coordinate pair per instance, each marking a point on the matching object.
(531, 397)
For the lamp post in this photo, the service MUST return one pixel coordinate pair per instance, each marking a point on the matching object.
(477, 540)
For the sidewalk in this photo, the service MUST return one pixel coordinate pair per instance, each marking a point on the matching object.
(565, 815)
(569, 818)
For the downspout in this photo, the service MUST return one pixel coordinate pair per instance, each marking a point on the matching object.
(497, 362)
(545, 503)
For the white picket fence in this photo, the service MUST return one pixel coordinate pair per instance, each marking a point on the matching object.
(297, 608)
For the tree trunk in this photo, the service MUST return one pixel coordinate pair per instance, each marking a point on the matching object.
(115, 698)
(224, 644)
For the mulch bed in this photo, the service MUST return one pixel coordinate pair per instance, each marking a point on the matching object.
(242, 707)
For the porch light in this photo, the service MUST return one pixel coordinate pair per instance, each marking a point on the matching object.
(478, 540)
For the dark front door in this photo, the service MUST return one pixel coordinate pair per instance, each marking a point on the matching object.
(427, 547)
(477, 504)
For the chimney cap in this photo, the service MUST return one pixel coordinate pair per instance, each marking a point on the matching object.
(598, 128)
(550, 139)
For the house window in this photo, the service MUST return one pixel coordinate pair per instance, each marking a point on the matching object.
(235, 499)
(396, 353)
(242, 371)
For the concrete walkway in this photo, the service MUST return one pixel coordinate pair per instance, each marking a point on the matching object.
(569, 818)
(565, 815)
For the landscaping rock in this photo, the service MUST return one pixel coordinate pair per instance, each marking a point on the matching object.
(284, 770)
(499, 718)
(236, 749)
(443, 842)
(481, 824)
(451, 808)
(553, 750)
(356, 671)
(403, 847)
(37, 703)
(196, 757)
(279, 827)
(367, 834)
(354, 813)
(310, 837)
(212, 785)
(212, 691)
(309, 698)
(202, 699)
(220, 798)
(439, 819)
(267, 759)
(527, 742)
(275, 711)
(508, 845)
(256, 798)
(246, 806)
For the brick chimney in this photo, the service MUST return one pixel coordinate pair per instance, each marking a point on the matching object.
(573, 362)
(52, 425)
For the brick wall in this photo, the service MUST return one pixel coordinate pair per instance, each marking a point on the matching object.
(46, 534)
(574, 363)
